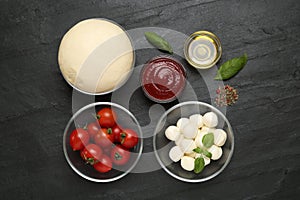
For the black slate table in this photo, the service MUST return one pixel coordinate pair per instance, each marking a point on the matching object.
(36, 102)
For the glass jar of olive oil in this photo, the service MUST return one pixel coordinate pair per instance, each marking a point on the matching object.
(202, 49)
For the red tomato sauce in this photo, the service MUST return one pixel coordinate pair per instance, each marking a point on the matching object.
(163, 79)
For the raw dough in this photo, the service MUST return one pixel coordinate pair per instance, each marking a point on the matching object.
(96, 56)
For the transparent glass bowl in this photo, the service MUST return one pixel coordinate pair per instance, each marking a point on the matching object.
(87, 114)
(162, 145)
(182, 72)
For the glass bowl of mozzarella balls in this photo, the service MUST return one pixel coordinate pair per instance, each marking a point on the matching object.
(193, 141)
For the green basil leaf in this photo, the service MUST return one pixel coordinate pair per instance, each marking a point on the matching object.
(231, 67)
(208, 140)
(202, 151)
(198, 150)
(199, 165)
(207, 153)
(158, 42)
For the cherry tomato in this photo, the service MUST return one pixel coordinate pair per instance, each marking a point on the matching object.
(116, 130)
(104, 138)
(78, 139)
(119, 155)
(91, 153)
(106, 117)
(129, 138)
(108, 149)
(104, 165)
(93, 128)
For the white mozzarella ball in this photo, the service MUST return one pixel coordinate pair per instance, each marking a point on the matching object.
(187, 163)
(197, 119)
(175, 153)
(220, 137)
(210, 119)
(206, 159)
(199, 137)
(187, 145)
(172, 133)
(207, 129)
(179, 140)
(182, 122)
(216, 152)
(190, 130)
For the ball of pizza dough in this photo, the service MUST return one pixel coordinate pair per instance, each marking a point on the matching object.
(96, 56)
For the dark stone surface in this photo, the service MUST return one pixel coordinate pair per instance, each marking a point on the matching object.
(36, 102)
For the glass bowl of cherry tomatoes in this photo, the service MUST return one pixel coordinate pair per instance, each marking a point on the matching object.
(102, 142)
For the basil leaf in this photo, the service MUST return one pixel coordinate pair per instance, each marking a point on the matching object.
(208, 140)
(207, 153)
(231, 67)
(158, 42)
(202, 151)
(198, 150)
(199, 165)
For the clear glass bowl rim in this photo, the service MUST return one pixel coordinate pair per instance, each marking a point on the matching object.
(230, 132)
(66, 133)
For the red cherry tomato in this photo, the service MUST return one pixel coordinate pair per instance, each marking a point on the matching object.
(91, 153)
(108, 149)
(129, 138)
(116, 130)
(93, 128)
(104, 138)
(107, 117)
(119, 155)
(104, 165)
(78, 139)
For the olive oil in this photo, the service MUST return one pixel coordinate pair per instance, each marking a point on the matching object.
(203, 49)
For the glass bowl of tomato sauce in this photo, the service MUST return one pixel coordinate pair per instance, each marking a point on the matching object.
(102, 142)
(163, 78)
